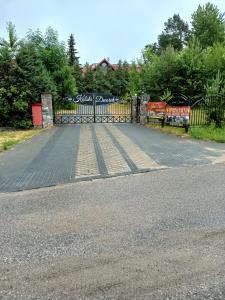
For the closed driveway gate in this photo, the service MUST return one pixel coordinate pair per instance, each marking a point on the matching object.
(93, 108)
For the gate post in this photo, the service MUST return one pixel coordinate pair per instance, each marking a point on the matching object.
(46, 101)
(143, 109)
(135, 109)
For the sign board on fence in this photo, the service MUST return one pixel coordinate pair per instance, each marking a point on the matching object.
(156, 108)
(177, 115)
(176, 111)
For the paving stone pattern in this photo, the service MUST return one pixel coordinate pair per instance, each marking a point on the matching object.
(47, 159)
(81, 152)
(139, 157)
(115, 163)
(99, 154)
(69, 153)
(86, 164)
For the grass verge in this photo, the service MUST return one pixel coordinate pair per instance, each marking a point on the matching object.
(209, 133)
(9, 138)
(178, 131)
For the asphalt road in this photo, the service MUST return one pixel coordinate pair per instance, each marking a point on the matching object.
(158, 235)
(84, 152)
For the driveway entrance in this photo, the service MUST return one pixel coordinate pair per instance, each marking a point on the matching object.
(93, 108)
(84, 152)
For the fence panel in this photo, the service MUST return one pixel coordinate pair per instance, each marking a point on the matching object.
(207, 111)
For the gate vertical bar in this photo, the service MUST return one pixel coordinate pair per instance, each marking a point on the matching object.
(131, 109)
(94, 103)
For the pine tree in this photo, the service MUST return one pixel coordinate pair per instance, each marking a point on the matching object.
(176, 33)
(73, 60)
(72, 52)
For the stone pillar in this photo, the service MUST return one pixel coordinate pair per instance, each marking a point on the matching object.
(143, 109)
(143, 113)
(47, 110)
(134, 107)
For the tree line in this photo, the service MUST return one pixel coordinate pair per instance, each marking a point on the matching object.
(186, 59)
(28, 67)
(41, 63)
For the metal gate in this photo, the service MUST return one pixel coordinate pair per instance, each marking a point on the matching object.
(93, 108)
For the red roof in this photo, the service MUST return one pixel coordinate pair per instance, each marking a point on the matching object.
(113, 66)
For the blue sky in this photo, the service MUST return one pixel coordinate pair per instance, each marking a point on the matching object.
(102, 28)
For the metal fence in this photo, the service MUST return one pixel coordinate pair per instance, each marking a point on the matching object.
(208, 111)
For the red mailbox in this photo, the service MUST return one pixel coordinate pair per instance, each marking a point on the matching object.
(37, 115)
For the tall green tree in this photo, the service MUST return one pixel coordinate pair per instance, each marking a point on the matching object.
(214, 61)
(54, 57)
(134, 85)
(88, 85)
(101, 82)
(176, 33)
(72, 51)
(121, 79)
(150, 48)
(29, 67)
(23, 78)
(73, 60)
(159, 75)
(12, 43)
(191, 69)
(208, 25)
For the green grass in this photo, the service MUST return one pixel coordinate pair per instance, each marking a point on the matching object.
(208, 133)
(178, 131)
(9, 138)
(8, 144)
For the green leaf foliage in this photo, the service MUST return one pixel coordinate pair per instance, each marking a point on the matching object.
(176, 33)
(208, 25)
(28, 68)
(193, 68)
(182, 61)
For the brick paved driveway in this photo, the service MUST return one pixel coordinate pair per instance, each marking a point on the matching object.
(88, 151)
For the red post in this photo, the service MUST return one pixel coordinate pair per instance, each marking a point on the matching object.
(37, 115)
